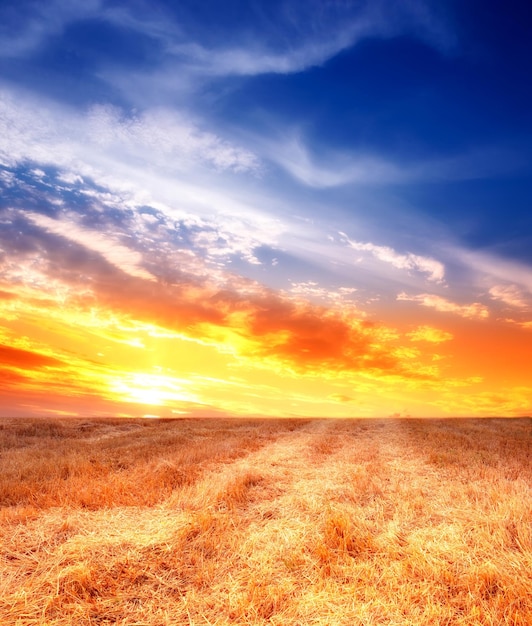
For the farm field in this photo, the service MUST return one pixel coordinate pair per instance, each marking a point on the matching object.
(287, 522)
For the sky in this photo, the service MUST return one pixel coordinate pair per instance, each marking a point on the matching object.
(249, 208)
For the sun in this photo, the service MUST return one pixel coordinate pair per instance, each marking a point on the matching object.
(148, 396)
(151, 389)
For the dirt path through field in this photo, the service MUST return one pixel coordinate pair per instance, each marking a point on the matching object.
(301, 470)
(292, 527)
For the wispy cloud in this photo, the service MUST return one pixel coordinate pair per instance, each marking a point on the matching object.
(476, 310)
(333, 170)
(289, 38)
(527, 325)
(494, 269)
(511, 295)
(321, 167)
(408, 261)
(25, 359)
(37, 22)
(430, 334)
(122, 257)
(159, 138)
(158, 158)
(342, 297)
(165, 139)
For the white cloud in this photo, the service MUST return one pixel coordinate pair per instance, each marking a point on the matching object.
(342, 297)
(293, 37)
(321, 168)
(311, 42)
(44, 20)
(283, 38)
(125, 259)
(409, 261)
(157, 138)
(165, 139)
(333, 170)
(495, 269)
(256, 59)
(158, 158)
(476, 310)
(511, 295)
(218, 240)
(287, 38)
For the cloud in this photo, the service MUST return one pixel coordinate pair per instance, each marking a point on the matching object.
(123, 258)
(341, 297)
(332, 170)
(494, 268)
(430, 334)
(297, 36)
(321, 167)
(526, 325)
(281, 43)
(511, 295)
(511, 401)
(340, 397)
(469, 311)
(33, 23)
(285, 38)
(158, 159)
(166, 139)
(265, 38)
(280, 38)
(409, 261)
(231, 313)
(26, 359)
(156, 138)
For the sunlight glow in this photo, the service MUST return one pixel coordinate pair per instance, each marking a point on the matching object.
(152, 389)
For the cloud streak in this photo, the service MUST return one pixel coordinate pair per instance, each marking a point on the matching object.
(430, 334)
(288, 38)
(511, 295)
(409, 261)
(159, 138)
(122, 257)
(40, 23)
(476, 310)
(319, 167)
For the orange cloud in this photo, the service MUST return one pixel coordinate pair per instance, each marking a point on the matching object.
(25, 359)
(430, 334)
(123, 340)
(511, 295)
(340, 397)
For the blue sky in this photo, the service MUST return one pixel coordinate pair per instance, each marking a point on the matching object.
(368, 156)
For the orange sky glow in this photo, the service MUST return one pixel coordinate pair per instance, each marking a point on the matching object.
(198, 350)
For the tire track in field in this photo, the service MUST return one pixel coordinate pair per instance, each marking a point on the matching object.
(322, 504)
(300, 482)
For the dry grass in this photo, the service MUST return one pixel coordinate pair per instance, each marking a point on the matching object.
(265, 522)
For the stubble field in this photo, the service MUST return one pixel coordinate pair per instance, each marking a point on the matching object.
(287, 522)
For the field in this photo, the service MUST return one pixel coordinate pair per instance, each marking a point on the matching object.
(288, 522)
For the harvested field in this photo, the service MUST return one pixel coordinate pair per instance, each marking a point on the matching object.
(197, 522)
